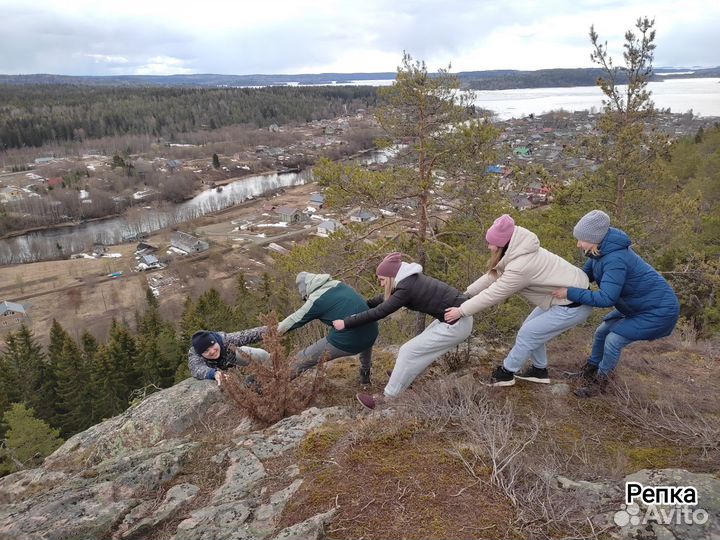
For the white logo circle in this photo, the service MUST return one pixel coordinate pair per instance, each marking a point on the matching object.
(621, 518)
(628, 514)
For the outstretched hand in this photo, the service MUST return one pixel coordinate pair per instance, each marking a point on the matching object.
(339, 324)
(452, 314)
(560, 293)
(219, 377)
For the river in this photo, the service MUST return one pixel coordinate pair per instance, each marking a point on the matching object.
(51, 243)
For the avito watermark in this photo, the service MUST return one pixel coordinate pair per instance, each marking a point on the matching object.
(665, 505)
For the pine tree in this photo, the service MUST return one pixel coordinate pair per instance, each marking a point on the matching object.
(23, 363)
(171, 355)
(150, 322)
(214, 312)
(110, 394)
(11, 390)
(58, 335)
(122, 352)
(45, 398)
(89, 347)
(633, 181)
(433, 122)
(73, 412)
(28, 439)
(190, 322)
(216, 161)
(113, 373)
(246, 304)
(148, 361)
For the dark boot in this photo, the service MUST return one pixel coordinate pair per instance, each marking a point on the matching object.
(598, 385)
(589, 371)
(365, 376)
(586, 374)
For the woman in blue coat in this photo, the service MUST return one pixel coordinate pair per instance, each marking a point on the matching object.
(646, 306)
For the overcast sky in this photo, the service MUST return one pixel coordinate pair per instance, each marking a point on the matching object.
(159, 37)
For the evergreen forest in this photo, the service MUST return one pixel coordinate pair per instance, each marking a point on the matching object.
(34, 115)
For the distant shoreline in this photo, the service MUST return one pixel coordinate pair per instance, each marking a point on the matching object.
(501, 79)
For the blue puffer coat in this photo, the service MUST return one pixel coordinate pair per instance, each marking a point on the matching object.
(641, 296)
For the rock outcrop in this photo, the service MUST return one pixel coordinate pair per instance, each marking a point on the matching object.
(163, 466)
(121, 479)
(700, 521)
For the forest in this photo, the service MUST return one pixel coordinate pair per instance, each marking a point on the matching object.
(495, 79)
(664, 193)
(35, 115)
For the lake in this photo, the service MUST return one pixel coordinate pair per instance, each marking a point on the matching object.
(679, 95)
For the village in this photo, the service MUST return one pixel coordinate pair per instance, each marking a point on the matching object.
(90, 288)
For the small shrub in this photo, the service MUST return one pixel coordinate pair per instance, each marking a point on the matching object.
(268, 392)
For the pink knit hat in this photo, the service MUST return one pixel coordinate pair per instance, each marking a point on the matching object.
(390, 265)
(501, 231)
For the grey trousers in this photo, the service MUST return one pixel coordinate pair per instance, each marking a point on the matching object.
(310, 356)
(422, 350)
(260, 355)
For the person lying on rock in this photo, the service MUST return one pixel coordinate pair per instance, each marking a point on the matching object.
(212, 353)
(327, 299)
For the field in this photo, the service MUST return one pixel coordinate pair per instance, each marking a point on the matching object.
(80, 294)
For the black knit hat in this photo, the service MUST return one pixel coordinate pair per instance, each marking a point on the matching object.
(202, 340)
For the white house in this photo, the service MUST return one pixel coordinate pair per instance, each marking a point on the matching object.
(326, 228)
(362, 216)
(12, 313)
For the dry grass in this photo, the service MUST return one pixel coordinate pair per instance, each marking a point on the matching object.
(402, 475)
(394, 479)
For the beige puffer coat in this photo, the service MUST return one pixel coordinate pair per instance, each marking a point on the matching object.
(527, 269)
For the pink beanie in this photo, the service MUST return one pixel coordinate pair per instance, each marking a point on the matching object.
(390, 265)
(501, 231)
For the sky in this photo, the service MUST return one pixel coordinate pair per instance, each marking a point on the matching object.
(159, 37)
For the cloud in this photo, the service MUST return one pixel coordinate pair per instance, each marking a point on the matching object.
(107, 59)
(293, 36)
(163, 65)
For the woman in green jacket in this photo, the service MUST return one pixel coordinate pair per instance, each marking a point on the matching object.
(327, 299)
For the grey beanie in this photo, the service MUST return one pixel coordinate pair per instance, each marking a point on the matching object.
(301, 282)
(592, 227)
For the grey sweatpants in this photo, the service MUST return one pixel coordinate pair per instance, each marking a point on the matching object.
(310, 356)
(422, 350)
(259, 355)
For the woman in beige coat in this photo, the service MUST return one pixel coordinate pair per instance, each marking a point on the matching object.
(519, 265)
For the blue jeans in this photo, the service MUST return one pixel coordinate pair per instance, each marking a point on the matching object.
(607, 346)
(540, 327)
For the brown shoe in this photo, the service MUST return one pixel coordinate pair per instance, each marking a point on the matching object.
(369, 401)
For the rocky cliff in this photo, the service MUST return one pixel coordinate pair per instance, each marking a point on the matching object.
(452, 459)
(127, 476)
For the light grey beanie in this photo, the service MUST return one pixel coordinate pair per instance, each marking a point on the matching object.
(592, 227)
(301, 282)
